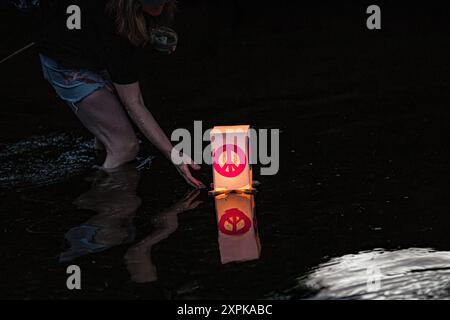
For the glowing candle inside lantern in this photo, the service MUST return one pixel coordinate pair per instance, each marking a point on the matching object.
(231, 158)
(238, 236)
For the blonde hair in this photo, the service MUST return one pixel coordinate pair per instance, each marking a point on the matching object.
(133, 24)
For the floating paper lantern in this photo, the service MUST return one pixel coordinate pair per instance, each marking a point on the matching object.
(238, 235)
(231, 158)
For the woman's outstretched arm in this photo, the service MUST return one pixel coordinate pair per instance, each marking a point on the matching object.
(131, 97)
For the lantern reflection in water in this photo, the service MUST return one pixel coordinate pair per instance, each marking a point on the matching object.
(238, 234)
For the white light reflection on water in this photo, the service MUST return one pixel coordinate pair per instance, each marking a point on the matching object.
(404, 274)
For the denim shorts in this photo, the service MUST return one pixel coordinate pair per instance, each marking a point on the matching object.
(72, 85)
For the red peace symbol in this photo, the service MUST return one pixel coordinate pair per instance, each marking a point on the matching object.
(234, 160)
(234, 223)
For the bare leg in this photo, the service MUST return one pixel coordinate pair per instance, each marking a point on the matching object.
(104, 116)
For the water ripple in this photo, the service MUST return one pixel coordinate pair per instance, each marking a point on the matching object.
(407, 274)
(44, 160)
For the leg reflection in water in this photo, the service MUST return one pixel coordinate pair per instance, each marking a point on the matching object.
(113, 197)
(138, 258)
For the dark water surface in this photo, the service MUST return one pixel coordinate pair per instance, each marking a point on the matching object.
(359, 209)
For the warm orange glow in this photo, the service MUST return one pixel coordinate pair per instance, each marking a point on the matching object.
(238, 236)
(231, 162)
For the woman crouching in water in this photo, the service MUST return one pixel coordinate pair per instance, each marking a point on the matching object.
(74, 61)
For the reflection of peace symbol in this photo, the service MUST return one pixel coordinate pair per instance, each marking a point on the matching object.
(229, 160)
(234, 223)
